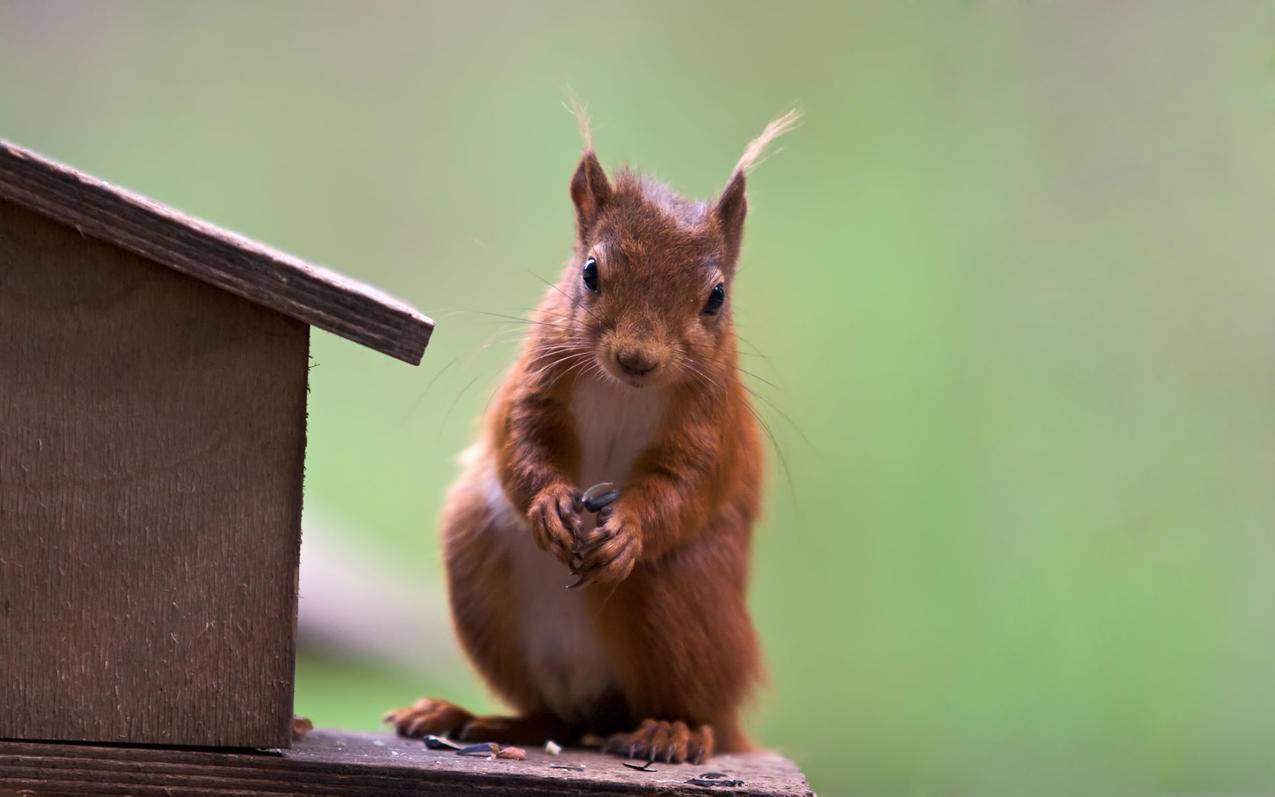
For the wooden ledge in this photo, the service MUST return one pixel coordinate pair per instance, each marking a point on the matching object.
(328, 762)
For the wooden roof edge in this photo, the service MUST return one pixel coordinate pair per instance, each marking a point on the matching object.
(259, 273)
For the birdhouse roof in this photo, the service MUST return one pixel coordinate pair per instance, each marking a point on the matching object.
(256, 272)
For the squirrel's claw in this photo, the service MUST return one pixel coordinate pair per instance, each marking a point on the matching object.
(555, 522)
(621, 549)
(583, 552)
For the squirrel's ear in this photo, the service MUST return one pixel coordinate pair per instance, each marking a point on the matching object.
(730, 210)
(590, 190)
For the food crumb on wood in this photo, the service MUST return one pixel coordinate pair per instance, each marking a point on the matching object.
(300, 727)
(493, 750)
(552, 747)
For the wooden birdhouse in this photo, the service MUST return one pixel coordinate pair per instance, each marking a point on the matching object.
(153, 379)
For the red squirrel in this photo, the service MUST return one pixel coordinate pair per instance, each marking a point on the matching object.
(627, 375)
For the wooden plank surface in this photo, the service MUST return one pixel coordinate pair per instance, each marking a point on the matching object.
(233, 263)
(356, 764)
(152, 434)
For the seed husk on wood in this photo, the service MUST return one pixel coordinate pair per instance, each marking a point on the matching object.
(711, 779)
(440, 743)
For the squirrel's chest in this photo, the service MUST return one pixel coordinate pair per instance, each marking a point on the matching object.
(614, 424)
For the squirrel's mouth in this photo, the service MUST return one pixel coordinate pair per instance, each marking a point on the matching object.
(637, 382)
(635, 378)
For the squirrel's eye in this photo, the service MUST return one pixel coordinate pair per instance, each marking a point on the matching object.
(716, 298)
(590, 274)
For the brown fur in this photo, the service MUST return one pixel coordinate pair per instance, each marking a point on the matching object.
(667, 566)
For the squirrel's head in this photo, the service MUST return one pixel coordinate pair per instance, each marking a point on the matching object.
(648, 291)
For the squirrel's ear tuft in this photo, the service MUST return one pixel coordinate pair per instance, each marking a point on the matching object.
(730, 210)
(732, 205)
(589, 187)
(590, 190)
(776, 128)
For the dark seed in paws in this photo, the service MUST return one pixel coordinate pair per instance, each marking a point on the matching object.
(596, 503)
(599, 495)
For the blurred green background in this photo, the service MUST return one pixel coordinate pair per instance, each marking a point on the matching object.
(1012, 283)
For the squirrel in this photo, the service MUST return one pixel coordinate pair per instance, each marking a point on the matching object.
(627, 375)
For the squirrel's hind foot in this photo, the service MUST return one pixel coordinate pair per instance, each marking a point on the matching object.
(670, 742)
(428, 716)
(439, 717)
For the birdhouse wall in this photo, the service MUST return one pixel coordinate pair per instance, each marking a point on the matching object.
(152, 436)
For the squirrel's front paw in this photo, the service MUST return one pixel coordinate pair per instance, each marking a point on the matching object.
(555, 520)
(609, 552)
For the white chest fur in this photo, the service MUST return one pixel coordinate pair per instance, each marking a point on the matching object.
(614, 424)
(563, 652)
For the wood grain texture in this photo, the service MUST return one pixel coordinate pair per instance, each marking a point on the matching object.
(233, 263)
(152, 434)
(358, 764)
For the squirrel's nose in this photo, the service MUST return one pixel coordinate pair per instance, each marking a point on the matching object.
(636, 362)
